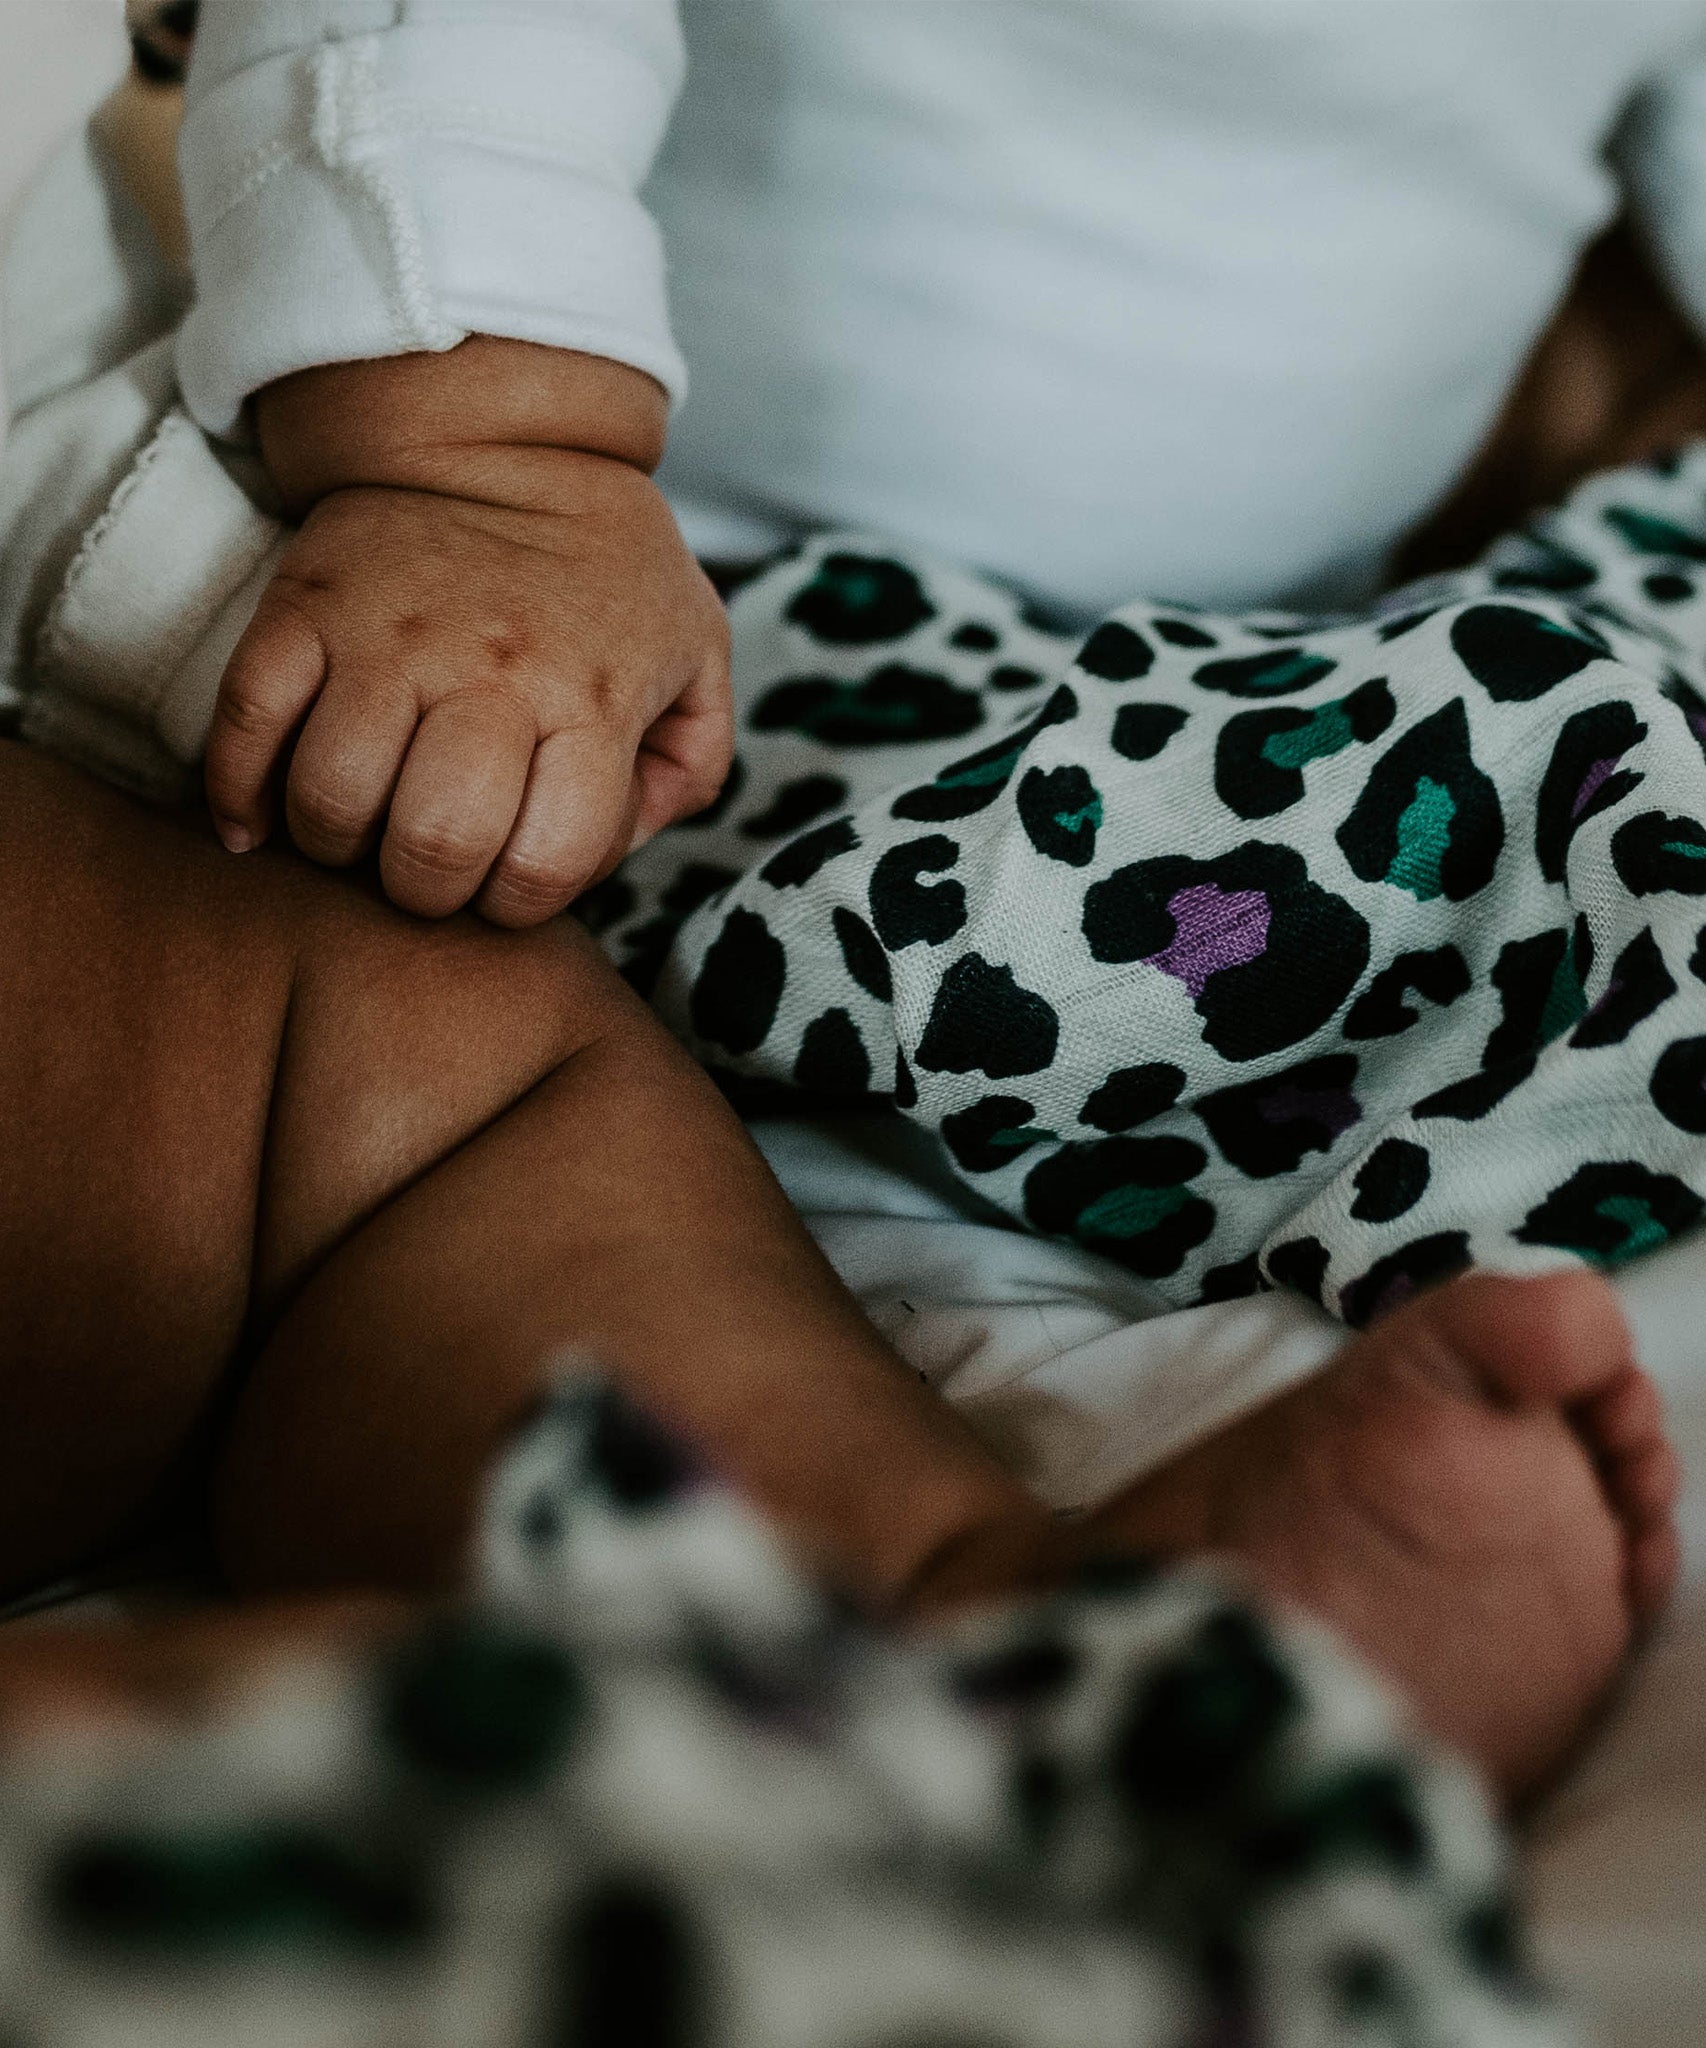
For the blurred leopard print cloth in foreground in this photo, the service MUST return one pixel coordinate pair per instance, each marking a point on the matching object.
(1336, 954)
(651, 1788)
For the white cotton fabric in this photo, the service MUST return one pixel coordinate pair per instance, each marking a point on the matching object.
(1208, 299)
(370, 177)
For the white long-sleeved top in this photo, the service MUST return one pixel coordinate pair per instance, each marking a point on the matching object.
(1205, 298)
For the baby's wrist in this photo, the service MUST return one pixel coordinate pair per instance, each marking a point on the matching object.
(489, 418)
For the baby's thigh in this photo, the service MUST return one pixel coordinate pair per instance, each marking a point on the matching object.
(139, 1016)
(211, 1073)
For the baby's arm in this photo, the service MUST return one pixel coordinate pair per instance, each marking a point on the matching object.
(489, 652)
(490, 623)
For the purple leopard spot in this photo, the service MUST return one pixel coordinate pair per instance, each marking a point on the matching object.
(1334, 1109)
(1591, 782)
(1213, 929)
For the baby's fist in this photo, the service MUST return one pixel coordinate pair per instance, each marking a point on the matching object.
(504, 691)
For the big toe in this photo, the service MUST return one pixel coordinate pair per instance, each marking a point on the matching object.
(1541, 1340)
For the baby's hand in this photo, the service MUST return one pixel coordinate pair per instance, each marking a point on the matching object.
(504, 676)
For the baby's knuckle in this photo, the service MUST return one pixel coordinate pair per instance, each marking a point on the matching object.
(327, 810)
(533, 886)
(435, 847)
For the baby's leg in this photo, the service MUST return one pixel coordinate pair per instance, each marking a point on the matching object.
(306, 1192)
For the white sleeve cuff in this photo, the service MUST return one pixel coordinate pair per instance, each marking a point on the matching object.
(363, 194)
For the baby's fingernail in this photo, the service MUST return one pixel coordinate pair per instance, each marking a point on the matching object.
(235, 838)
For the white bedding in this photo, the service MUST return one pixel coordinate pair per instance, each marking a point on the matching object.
(1068, 1366)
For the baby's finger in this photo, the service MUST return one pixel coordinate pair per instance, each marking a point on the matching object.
(576, 818)
(456, 800)
(274, 674)
(684, 757)
(345, 766)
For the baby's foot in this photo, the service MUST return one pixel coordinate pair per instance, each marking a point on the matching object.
(1477, 1494)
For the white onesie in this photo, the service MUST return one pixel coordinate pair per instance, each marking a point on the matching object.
(1210, 299)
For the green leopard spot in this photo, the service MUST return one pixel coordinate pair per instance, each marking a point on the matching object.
(1684, 849)
(1130, 1211)
(1089, 815)
(981, 773)
(1424, 839)
(1566, 1001)
(1328, 732)
(1019, 1138)
(1650, 536)
(1643, 1230)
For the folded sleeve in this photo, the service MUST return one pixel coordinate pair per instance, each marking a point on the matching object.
(373, 177)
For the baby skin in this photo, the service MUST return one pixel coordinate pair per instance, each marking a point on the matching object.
(371, 1176)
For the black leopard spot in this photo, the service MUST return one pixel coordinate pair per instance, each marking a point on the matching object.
(1428, 821)
(605, 904)
(1127, 1198)
(1132, 1096)
(1025, 1674)
(1678, 1086)
(1391, 1281)
(481, 1706)
(1611, 1211)
(1267, 1127)
(1648, 535)
(740, 983)
(1205, 1726)
(1260, 756)
(1391, 1181)
(1300, 1265)
(905, 1087)
(1664, 586)
(203, 1896)
(983, 1021)
(1541, 995)
(1688, 700)
(1655, 854)
(1439, 976)
(1060, 809)
(1275, 672)
(992, 1133)
(857, 600)
(1468, 1100)
(632, 1975)
(1142, 730)
(1406, 622)
(795, 804)
(894, 706)
(801, 859)
(1517, 655)
(1583, 778)
(1266, 955)
(832, 1058)
(862, 954)
(907, 911)
(1546, 566)
(1011, 677)
(975, 637)
(1640, 983)
(646, 947)
(972, 784)
(1181, 633)
(1234, 1282)
(1116, 654)
(1364, 1814)
(641, 1466)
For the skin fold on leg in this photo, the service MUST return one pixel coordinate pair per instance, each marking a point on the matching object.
(302, 1194)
